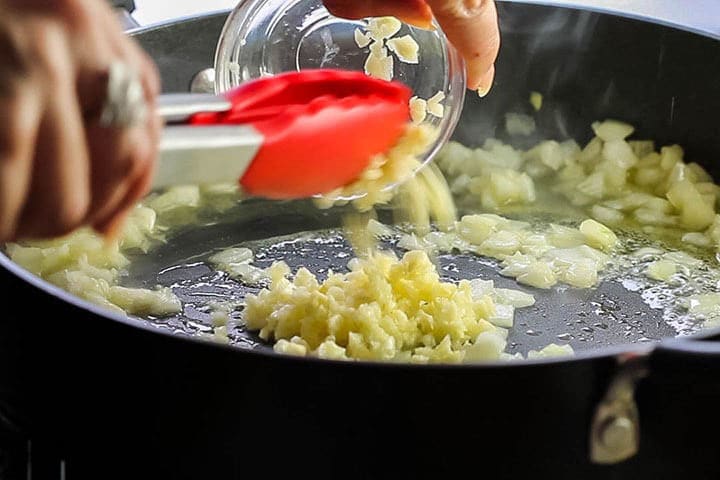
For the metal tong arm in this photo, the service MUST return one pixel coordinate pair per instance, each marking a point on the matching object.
(202, 154)
(179, 107)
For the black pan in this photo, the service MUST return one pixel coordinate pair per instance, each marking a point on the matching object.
(99, 396)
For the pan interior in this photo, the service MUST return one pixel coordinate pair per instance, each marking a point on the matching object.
(624, 308)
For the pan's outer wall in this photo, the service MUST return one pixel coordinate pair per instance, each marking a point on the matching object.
(120, 402)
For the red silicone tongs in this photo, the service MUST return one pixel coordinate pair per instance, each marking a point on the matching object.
(291, 135)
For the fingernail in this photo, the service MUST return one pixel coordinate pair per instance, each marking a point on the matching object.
(486, 82)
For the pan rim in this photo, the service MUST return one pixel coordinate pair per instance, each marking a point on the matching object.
(615, 12)
(600, 9)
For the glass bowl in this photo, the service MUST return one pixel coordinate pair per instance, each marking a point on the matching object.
(266, 37)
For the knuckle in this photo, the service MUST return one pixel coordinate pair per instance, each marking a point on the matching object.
(138, 162)
(130, 164)
(51, 60)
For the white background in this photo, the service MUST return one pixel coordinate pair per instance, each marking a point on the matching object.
(704, 14)
(152, 11)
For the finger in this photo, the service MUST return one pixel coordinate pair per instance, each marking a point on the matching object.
(110, 44)
(130, 158)
(472, 27)
(60, 191)
(113, 225)
(20, 112)
(119, 156)
(414, 12)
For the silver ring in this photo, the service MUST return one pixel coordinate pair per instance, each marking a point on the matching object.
(125, 104)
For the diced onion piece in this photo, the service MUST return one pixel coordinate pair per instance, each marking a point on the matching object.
(607, 215)
(247, 273)
(539, 275)
(682, 258)
(552, 350)
(503, 317)
(646, 216)
(482, 288)
(670, 156)
(704, 304)
(519, 124)
(698, 239)
(405, 47)
(701, 175)
(500, 244)
(516, 298)
(593, 186)
(233, 255)
(536, 100)
(565, 237)
(641, 148)
(695, 214)
(477, 228)
(503, 187)
(580, 274)
(138, 229)
(611, 130)
(647, 177)
(620, 153)
(550, 153)
(175, 198)
(161, 302)
(591, 151)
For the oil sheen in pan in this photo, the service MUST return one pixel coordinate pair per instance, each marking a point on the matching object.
(626, 307)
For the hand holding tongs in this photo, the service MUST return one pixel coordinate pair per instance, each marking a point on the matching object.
(288, 136)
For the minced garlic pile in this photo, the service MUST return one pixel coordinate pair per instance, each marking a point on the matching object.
(383, 309)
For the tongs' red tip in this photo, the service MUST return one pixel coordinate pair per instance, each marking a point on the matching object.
(321, 128)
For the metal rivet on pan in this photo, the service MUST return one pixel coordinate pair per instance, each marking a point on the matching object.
(618, 434)
(615, 429)
(203, 81)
